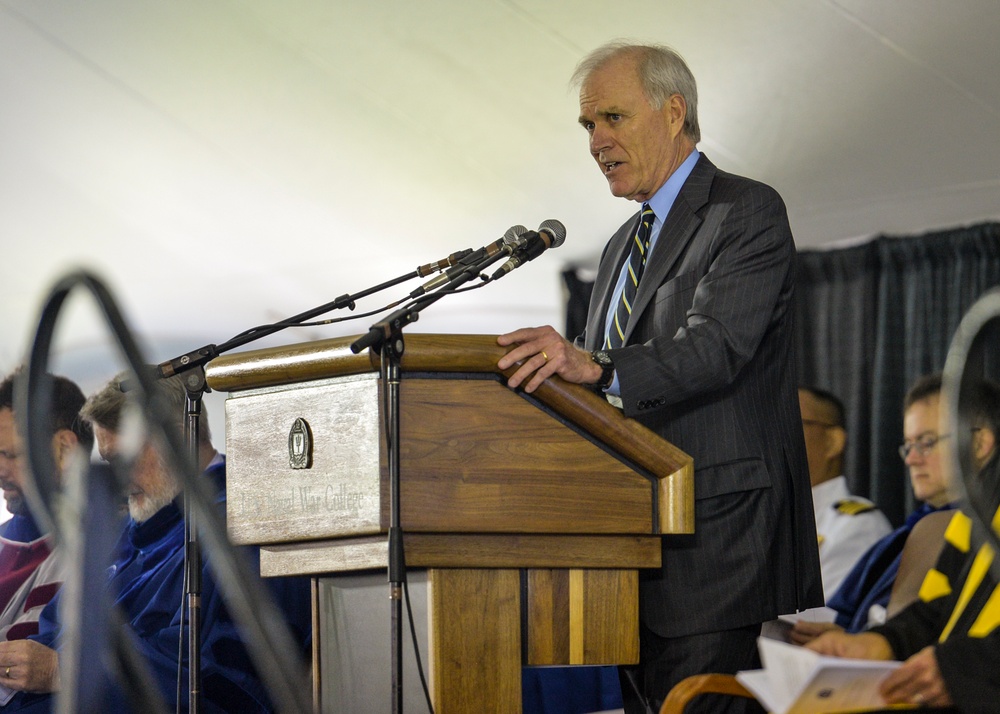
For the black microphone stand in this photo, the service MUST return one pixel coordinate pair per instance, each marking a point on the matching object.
(387, 336)
(195, 385)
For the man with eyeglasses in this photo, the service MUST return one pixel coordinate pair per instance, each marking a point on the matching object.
(846, 525)
(863, 597)
(949, 637)
(30, 570)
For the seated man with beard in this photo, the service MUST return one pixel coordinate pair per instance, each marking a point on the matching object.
(146, 581)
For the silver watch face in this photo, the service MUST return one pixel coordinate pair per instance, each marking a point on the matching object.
(603, 358)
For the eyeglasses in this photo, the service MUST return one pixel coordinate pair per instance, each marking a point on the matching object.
(922, 446)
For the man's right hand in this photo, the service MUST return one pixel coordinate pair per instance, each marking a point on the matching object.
(543, 352)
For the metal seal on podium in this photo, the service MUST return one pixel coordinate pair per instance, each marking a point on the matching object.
(300, 445)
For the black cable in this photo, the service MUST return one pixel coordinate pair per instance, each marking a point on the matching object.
(406, 596)
(266, 330)
(285, 324)
(179, 685)
(416, 645)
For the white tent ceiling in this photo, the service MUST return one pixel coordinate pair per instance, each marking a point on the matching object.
(226, 163)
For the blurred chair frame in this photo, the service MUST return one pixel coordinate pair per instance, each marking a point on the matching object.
(695, 685)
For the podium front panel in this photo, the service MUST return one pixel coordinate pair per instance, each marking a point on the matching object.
(478, 457)
(333, 491)
(308, 462)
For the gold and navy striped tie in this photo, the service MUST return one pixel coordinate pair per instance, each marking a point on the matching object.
(636, 264)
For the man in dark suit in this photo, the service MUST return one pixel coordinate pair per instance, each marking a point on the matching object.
(701, 352)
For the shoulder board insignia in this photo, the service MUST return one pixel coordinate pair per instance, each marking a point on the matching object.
(851, 507)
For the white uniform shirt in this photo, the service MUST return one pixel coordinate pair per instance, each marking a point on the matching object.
(847, 526)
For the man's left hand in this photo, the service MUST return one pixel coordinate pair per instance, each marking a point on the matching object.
(917, 681)
(544, 352)
(805, 631)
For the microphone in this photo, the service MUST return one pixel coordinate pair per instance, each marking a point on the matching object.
(551, 234)
(428, 268)
(513, 235)
(511, 240)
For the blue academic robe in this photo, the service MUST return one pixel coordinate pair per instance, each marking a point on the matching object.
(870, 580)
(146, 580)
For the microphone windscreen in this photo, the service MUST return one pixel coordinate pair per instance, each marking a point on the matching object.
(513, 234)
(555, 229)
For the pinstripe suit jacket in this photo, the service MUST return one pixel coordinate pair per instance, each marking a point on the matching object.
(708, 365)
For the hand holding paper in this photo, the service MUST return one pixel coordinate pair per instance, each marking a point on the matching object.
(796, 680)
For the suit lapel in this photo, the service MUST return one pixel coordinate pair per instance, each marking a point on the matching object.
(604, 285)
(678, 230)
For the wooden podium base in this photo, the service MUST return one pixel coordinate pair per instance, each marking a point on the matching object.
(476, 628)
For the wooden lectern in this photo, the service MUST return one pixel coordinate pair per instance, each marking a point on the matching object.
(530, 513)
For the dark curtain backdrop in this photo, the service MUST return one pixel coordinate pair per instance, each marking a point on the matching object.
(870, 319)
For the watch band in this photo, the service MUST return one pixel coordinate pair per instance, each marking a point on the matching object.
(603, 360)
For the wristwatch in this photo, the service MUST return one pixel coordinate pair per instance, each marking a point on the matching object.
(607, 365)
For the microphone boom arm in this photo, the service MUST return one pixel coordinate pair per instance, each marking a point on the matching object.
(204, 355)
(385, 329)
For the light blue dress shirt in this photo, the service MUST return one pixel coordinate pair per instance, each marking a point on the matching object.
(661, 203)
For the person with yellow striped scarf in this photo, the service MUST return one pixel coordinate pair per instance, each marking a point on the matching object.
(949, 637)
